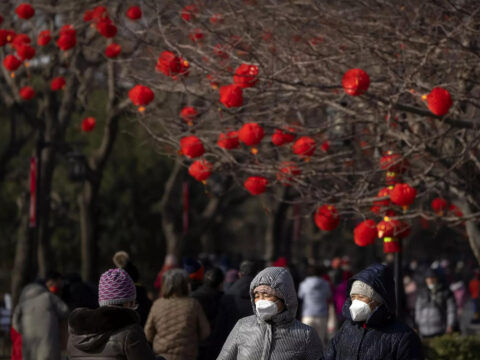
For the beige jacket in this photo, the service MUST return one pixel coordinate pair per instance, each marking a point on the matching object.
(176, 326)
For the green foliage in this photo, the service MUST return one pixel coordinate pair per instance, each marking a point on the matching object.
(452, 346)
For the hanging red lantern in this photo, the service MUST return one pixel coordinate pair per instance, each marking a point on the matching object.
(57, 83)
(281, 137)
(88, 124)
(141, 96)
(403, 195)
(439, 101)
(455, 210)
(27, 93)
(287, 172)
(189, 114)
(25, 11)
(391, 230)
(68, 38)
(189, 12)
(355, 82)
(21, 39)
(304, 146)
(25, 52)
(325, 146)
(200, 170)
(6, 36)
(88, 15)
(246, 75)
(256, 185)
(168, 63)
(113, 50)
(11, 63)
(106, 28)
(439, 205)
(196, 35)
(99, 13)
(191, 146)
(134, 12)
(184, 67)
(384, 192)
(44, 38)
(228, 140)
(393, 163)
(327, 217)
(251, 134)
(216, 19)
(231, 96)
(365, 233)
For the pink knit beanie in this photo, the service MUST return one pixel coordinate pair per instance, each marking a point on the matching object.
(115, 288)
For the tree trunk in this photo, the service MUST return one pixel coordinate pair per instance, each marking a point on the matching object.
(473, 232)
(24, 267)
(87, 233)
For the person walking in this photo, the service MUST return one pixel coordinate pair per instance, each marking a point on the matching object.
(370, 330)
(435, 308)
(272, 332)
(315, 293)
(113, 330)
(176, 323)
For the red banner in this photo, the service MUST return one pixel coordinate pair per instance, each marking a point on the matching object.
(33, 192)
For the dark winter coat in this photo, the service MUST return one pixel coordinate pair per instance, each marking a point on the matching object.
(281, 338)
(435, 311)
(381, 337)
(144, 303)
(107, 333)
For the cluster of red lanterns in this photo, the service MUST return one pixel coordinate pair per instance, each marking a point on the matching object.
(172, 65)
(245, 76)
(282, 137)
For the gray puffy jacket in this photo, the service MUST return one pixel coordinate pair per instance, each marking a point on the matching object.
(281, 338)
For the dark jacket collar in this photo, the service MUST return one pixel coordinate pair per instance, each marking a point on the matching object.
(104, 319)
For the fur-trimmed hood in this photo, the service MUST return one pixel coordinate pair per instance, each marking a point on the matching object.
(91, 329)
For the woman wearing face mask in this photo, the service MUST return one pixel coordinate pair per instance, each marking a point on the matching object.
(371, 331)
(272, 332)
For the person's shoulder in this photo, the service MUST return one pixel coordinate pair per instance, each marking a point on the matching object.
(399, 327)
(248, 321)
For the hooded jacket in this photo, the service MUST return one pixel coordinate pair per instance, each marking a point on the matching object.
(107, 333)
(36, 318)
(280, 338)
(381, 336)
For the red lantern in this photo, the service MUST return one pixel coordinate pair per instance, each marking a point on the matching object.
(256, 185)
(44, 38)
(392, 162)
(189, 12)
(25, 52)
(455, 210)
(68, 38)
(216, 19)
(325, 146)
(88, 124)
(231, 96)
(251, 134)
(229, 140)
(403, 195)
(191, 146)
(11, 63)
(21, 39)
(134, 12)
(439, 101)
(168, 63)
(57, 83)
(365, 233)
(6, 36)
(439, 205)
(196, 35)
(327, 217)
(141, 96)
(99, 13)
(281, 137)
(355, 82)
(25, 11)
(106, 28)
(288, 171)
(246, 76)
(189, 114)
(384, 192)
(113, 50)
(305, 146)
(27, 93)
(200, 170)
(88, 15)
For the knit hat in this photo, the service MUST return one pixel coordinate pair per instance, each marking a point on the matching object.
(115, 288)
(194, 268)
(360, 288)
(267, 290)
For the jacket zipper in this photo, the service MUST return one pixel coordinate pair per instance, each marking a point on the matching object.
(361, 340)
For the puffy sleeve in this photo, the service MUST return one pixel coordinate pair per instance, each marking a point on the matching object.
(136, 346)
(150, 329)
(410, 347)
(314, 349)
(230, 348)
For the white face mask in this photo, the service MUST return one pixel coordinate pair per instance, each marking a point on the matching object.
(266, 309)
(431, 286)
(359, 310)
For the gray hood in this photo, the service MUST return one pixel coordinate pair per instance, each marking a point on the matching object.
(281, 280)
(32, 291)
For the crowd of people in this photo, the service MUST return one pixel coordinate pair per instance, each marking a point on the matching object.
(208, 310)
